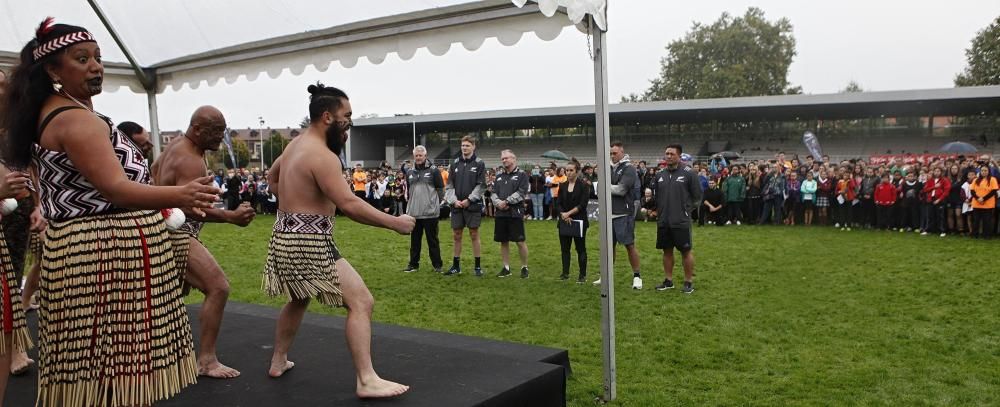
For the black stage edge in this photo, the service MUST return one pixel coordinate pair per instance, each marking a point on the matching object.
(442, 369)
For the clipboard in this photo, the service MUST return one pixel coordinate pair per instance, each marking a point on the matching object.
(572, 229)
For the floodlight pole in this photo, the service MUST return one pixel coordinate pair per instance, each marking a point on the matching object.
(602, 136)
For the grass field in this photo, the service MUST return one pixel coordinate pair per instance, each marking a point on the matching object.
(780, 315)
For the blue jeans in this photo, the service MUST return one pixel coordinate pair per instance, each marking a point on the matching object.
(537, 203)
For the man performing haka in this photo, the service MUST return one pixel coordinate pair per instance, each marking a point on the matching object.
(302, 259)
(180, 163)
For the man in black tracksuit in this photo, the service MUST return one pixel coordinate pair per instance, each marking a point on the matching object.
(509, 190)
(678, 193)
(425, 187)
(464, 194)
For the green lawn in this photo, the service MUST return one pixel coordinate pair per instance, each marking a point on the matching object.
(780, 315)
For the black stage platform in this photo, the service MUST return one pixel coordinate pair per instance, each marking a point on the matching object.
(442, 369)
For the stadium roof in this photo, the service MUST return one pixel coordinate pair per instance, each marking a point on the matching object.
(924, 102)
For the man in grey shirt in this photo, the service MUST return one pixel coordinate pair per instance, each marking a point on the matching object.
(425, 187)
(624, 180)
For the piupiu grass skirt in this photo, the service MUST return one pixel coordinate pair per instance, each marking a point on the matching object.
(113, 328)
(11, 313)
(301, 259)
(36, 244)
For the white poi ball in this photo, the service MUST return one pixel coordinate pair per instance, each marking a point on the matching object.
(8, 206)
(174, 218)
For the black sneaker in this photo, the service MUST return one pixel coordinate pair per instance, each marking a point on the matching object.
(437, 269)
(479, 271)
(410, 269)
(667, 284)
(504, 272)
(564, 276)
(688, 287)
(524, 272)
(454, 270)
(582, 279)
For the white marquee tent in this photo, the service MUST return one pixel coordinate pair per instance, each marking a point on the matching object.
(192, 43)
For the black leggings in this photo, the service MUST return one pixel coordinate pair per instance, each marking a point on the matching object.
(581, 253)
(982, 218)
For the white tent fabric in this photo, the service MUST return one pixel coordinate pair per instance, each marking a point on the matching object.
(191, 43)
(576, 9)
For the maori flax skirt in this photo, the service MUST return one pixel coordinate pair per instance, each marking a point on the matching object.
(301, 259)
(11, 313)
(113, 329)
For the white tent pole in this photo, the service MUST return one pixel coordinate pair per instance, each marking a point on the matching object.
(602, 133)
(148, 80)
(154, 123)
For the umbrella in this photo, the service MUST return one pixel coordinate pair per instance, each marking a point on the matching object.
(555, 155)
(729, 155)
(958, 147)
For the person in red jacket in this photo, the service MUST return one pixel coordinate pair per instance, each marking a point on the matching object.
(885, 199)
(935, 192)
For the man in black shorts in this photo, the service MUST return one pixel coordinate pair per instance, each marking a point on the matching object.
(509, 190)
(678, 194)
(464, 194)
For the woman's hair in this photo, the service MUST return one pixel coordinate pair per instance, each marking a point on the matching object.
(27, 88)
(575, 163)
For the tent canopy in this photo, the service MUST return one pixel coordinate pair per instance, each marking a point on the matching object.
(192, 42)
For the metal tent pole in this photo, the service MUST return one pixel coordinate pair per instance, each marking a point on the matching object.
(603, 139)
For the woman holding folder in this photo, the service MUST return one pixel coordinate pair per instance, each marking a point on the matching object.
(572, 224)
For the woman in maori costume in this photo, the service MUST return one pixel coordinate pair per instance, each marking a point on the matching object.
(113, 329)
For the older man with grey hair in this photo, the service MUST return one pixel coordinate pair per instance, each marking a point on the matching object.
(425, 189)
(509, 191)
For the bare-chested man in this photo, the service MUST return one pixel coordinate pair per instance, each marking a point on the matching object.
(302, 259)
(180, 163)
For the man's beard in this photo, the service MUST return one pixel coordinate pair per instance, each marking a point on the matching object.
(335, 139)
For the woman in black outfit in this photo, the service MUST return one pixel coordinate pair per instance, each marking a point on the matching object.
(572, 204)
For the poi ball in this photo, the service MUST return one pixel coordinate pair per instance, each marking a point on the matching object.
(174, 218)
(9, 205)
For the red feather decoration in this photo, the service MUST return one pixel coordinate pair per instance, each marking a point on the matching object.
(45, 27)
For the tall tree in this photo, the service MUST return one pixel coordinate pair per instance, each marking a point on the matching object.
(741, 56)
(852, 87)
(221, 157)
(273, 147)
(983, 58)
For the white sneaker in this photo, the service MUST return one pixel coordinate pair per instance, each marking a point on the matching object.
(597, 282)
(836, 225)
(923, 233)
(729, 222)
(636, 283)
(943, 235)
(738, 223)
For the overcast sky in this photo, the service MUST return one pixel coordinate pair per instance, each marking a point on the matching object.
(883, 45)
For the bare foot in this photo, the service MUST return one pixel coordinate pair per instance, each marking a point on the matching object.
(20, 363)
(278, 369)
(217, 370)
(380, 387)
